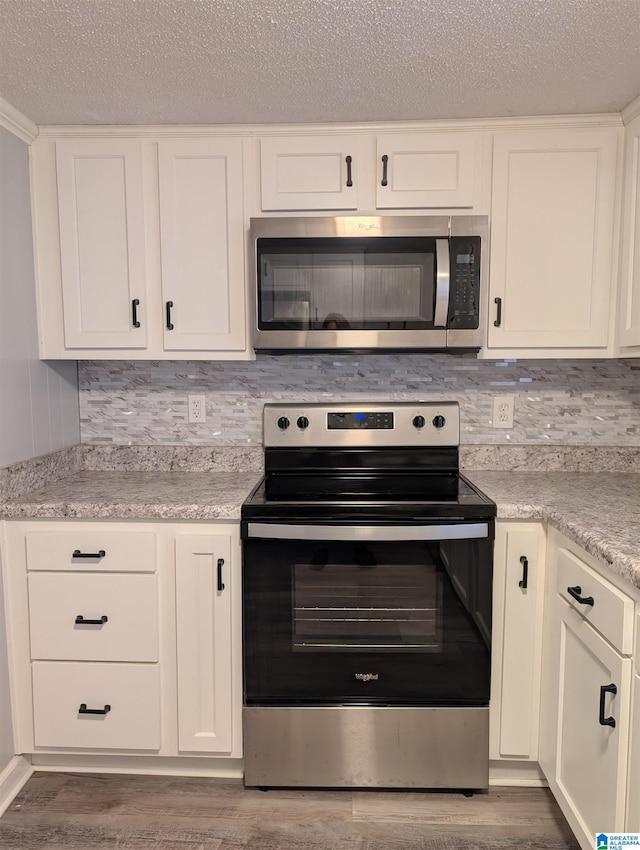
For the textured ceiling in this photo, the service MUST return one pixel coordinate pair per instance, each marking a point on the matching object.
(265, 61)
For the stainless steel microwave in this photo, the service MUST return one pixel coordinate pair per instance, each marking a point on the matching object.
(373, 283)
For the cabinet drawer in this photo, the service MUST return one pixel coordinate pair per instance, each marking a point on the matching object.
(611, 612)
(129, 603)
(110, 551)
(132, 692)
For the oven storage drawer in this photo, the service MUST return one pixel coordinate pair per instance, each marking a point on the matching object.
(93, 617)
(96, 706)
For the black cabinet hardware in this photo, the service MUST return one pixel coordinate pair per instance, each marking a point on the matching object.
(84, 710)
(524, 581)
(498, 320)
(385, 161)
(220, 582)
(604, 690)
(134, 312)
(80, 621)
(169, 305)
(349, 180)
(576, 593)
(78, 554)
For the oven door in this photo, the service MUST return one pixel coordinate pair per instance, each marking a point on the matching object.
(367, 614)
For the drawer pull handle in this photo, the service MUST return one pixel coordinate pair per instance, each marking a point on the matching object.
(80, 621)
(220, 582)
(78, 554)
(84, 710)
(606, 689)
(576, 592)
(524, 581)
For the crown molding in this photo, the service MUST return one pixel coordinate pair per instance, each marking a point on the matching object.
(609, 119)
(631, 111)
(17, 123)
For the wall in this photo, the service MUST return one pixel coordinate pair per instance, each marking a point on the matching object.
(38, 401)
(38, 407)
(568, 402)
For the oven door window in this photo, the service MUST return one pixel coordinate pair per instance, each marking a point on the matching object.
(367, 623)
(325, 284)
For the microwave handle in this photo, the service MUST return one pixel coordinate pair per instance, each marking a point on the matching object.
(443, 283)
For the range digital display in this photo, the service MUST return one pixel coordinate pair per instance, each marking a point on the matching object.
(379, 421)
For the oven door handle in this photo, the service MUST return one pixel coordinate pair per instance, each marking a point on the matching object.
(458, 531)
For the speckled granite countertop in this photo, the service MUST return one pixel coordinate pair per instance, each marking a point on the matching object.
(137, 495)
(600, 511)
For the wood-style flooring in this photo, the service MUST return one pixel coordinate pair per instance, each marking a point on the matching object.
(87, 811)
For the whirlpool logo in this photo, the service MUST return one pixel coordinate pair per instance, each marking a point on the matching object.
(367, 677)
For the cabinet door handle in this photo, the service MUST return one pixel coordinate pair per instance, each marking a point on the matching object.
(134, 312)
(524, 581)
(99, 554)
(84, 710)
(80, 621)
(220, 582)
(604, 690)
(576, 593)
(498, 319)
(385, 162)
(349, 180)
(168, 307)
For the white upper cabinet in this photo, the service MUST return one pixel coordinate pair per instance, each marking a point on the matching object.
(309, 173)
(139, 246)
(552, 231)
(629, 329)
(422, 170)
(101, 204)
(410, 170)
(202, 245)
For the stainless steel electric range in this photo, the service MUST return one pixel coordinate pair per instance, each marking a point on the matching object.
(367, 586)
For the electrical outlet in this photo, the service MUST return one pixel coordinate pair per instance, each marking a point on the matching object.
(503, 411)
(197, 408)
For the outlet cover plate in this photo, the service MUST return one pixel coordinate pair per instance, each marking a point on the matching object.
(503, 411)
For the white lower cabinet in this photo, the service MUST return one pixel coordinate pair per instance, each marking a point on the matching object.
(204, 591)
(633, 790)
(586, 692)
(518, 588)
(125, 638)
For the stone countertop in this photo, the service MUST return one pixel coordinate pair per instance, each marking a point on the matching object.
(600, 511)
(137, 495)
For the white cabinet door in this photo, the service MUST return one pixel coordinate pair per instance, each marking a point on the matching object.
(633, 796)
(630, 280)
(309, 173)
(204, 591)
(422, 170)
(202, 244)
(553, 212)
(518, 581)
(593, 725)
(100, 207)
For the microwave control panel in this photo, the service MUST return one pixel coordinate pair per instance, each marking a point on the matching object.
(464, 297)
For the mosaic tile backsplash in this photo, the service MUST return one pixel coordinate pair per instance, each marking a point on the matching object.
(557, 402)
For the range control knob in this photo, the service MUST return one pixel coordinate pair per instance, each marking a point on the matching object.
(439, 421)
(283, 423)
(419, 421)
(302, 422)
